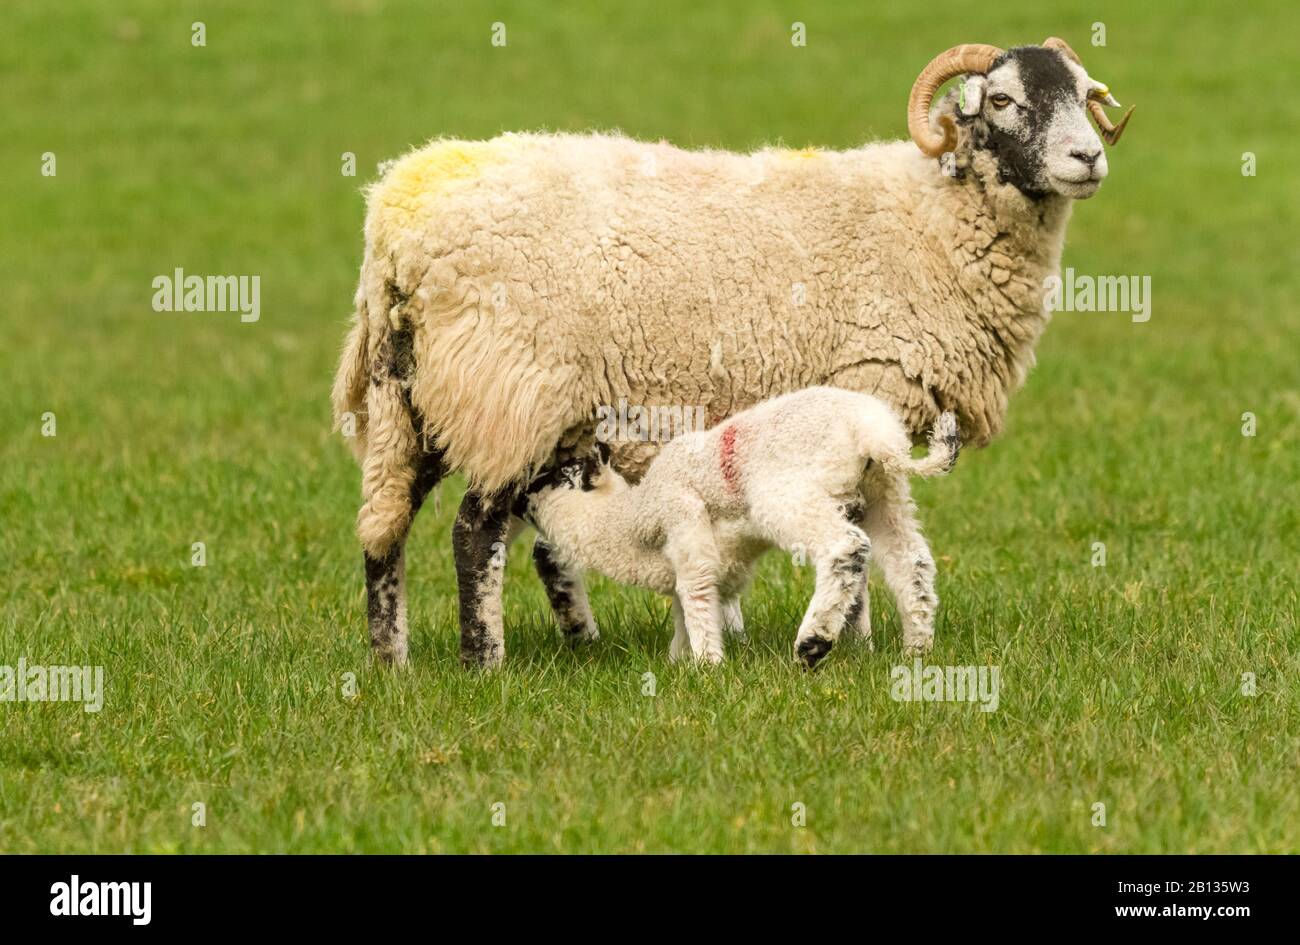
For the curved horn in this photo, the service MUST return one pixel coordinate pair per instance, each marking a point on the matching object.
(1055, 42)
(1109, 132)
(970, 57)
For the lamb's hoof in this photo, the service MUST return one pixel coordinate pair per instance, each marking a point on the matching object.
(812, 650)
(581, 636)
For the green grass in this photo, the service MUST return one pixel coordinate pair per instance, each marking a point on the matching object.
(1120, 684)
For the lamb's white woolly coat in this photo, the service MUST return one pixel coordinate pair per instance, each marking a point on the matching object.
(542, 276)
(822, 472)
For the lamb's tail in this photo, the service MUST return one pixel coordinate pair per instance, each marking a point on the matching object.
(945, 444)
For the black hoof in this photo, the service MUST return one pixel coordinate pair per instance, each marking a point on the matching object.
(812, 650)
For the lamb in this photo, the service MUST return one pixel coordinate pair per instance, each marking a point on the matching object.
(510, 288)
(821, 470)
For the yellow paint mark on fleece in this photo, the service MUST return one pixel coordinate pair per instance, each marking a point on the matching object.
(802, 154)
(433, 168)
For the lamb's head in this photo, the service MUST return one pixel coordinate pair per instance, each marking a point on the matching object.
(1026, 108)
(568, 485)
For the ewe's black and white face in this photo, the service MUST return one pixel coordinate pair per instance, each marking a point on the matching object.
(1030, 112)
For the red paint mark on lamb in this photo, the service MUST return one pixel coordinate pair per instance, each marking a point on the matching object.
(727, 459)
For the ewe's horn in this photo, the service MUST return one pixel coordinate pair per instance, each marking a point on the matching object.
(1055, 42)
(1109, 132)
(970, 57)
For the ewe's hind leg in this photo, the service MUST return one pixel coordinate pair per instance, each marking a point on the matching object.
(567, 594)
(398, 471)
(907, 564)
(386, 575)
(479, 539)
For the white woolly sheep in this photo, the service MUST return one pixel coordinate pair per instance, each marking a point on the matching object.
(512, 287)
(823, 471)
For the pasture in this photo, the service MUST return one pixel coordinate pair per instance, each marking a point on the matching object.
(1161, 683)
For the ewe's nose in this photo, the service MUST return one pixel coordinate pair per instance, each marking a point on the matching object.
(1086, 157)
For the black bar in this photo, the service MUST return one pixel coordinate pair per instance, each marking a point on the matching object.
(217, 894)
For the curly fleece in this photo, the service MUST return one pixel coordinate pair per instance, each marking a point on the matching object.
(541, 276)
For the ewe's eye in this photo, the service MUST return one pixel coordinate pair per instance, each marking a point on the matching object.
(1000, 101)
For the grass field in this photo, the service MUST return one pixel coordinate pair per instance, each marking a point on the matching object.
(1120, 684)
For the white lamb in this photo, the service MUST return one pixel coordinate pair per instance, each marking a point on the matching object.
(821, 470)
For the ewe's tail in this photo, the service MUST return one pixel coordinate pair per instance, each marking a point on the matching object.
(349, 395)
(372, 408)
(945, 443)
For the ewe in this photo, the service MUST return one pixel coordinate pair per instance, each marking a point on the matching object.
(821, 470)
(512, 287)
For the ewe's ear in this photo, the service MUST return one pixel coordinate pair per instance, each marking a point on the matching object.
(971, 97)
(603, 452)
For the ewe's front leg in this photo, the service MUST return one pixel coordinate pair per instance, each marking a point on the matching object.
(567, 594)
(479, 539)
(907, 564)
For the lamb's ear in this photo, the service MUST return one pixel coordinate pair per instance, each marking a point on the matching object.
(603, 452)
(970, 98)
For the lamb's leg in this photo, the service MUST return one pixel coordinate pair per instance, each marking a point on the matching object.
(819, 526)
(840, 557)
(702, 615)
(681, 645)
(694, 556)
(479, 539)
(567, 594)
(733, 621)
(858, 622)
(907, 564)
